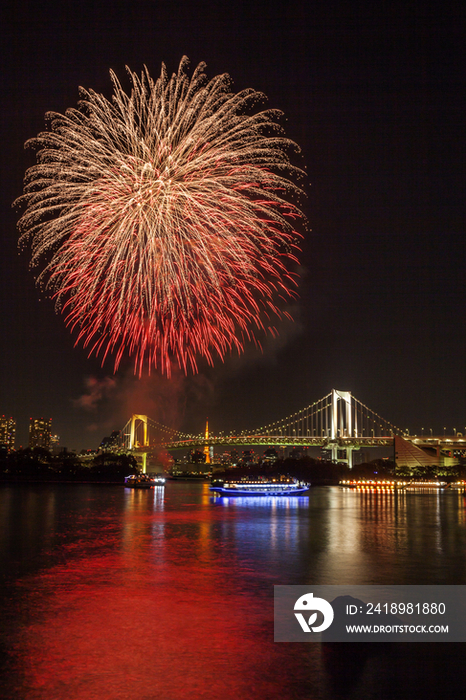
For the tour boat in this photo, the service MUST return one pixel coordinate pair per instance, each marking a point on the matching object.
(426, 485)
(143, 481)
(288, 487)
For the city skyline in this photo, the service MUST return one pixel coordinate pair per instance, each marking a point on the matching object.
(374, 97)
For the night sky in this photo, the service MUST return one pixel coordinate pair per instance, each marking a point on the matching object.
(374, 93)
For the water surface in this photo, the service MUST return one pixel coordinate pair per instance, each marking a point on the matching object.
(111, 593)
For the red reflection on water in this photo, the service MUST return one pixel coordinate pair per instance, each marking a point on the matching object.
(123, 626)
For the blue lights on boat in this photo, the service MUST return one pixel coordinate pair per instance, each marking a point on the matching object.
(260, 488)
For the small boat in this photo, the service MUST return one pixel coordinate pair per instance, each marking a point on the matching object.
(284, 487)
(143, 481)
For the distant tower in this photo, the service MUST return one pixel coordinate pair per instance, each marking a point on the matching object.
(7, 432)
(206, 448)
(40, 430)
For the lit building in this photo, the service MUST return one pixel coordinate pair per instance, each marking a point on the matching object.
(55, 444)
(111, 442)
(40, 430)
(7, 432)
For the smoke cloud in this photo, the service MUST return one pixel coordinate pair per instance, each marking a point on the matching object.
(97, 390)
(112, 400)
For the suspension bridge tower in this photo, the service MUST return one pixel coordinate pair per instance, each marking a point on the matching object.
(134, 445)
(341, 426)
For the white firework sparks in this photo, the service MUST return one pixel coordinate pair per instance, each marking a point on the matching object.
(163, 218)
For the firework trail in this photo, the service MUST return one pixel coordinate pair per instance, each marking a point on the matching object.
(162, 218)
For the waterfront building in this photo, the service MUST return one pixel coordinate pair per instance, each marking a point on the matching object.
(409, 455)
(111, 442)
(55, 444)
(7, 432)
(40, 430)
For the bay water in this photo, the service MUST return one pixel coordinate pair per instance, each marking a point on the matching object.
(111, 593)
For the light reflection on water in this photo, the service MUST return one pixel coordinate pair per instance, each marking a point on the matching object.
(271, 502)
(168, 593)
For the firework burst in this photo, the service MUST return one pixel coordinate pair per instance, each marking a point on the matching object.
(164, 219)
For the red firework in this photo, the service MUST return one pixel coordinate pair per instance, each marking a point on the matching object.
(163, 218)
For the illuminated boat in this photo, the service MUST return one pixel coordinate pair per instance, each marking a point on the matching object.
(287, 487)
(426, 485)
(143, 481)
(369, 484)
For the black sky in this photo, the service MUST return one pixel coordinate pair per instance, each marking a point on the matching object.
(374, 93)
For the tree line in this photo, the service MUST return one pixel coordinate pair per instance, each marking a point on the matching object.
(38, 464)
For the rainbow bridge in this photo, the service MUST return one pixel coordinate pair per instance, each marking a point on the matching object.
(338, 422)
